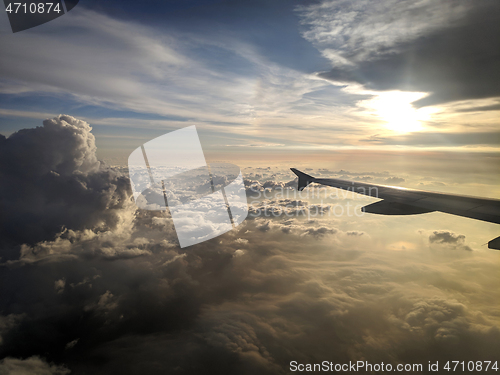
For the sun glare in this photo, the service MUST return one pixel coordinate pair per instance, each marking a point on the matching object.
(396, 109)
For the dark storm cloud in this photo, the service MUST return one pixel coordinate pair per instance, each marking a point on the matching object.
(443, 237)
(446, 237)
(456, 60)
(50, 179)
(438, 139)
(32, 366)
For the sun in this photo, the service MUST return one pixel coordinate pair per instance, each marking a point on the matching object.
(396, 110)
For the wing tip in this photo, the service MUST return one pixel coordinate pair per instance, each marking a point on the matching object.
(304, 179)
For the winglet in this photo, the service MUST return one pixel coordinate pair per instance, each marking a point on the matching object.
(304, 179)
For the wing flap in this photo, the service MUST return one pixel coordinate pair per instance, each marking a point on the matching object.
(494, 244)
(393, 208)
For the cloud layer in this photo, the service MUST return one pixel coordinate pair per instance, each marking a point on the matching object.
(277, 289)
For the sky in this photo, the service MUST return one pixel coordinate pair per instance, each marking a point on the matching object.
(403, 93)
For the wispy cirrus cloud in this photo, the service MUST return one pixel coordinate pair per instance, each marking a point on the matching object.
(351, 32)
(426, 46)
(102, 62)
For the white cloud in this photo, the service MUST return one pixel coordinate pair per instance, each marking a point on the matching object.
(348, 31)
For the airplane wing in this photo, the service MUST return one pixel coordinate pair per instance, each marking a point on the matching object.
(403, 201)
